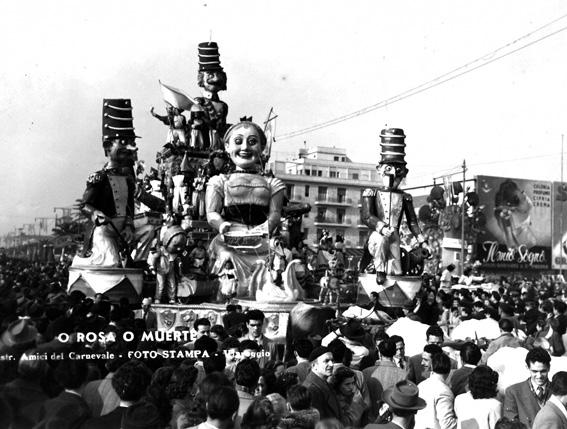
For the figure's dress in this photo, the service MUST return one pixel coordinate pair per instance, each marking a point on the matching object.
(243, 199)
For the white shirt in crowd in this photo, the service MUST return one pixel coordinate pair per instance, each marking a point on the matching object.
(477, 413)
(439, 412)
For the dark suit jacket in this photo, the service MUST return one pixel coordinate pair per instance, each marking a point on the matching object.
(521, 403)
(25, 399)
(550, 417)
(458, 380)
(68, 410)
(108, 421)
(416, 373)
(323, 398)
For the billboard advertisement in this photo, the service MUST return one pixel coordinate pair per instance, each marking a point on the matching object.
(559, 241)
(517, 234)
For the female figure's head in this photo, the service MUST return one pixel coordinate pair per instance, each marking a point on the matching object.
(343, 381)
(483, 382)
(244, 143)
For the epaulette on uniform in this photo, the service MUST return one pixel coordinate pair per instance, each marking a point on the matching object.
(369, 192)
(95, 178)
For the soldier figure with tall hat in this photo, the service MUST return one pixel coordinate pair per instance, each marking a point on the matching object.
(384, 207)
(212, 79)
(109, 197)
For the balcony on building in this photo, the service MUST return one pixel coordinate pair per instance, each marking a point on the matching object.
(333, 201)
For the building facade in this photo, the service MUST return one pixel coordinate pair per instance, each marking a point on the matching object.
(328, 180)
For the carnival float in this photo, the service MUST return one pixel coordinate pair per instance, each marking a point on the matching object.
(208, 225)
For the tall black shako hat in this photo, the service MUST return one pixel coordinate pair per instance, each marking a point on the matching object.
(209, 57)
(392, 146)
(117, 119)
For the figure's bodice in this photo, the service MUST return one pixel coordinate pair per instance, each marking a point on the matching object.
(392, 203)
(246, 188)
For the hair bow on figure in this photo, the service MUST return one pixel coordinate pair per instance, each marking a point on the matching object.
(246, 119)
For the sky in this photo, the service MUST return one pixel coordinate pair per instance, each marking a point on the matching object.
(312, 61)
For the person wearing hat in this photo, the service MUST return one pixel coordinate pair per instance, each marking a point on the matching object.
(352, 334)
(108, 200)
(19, 336)
(403, 402)
(384, 207)
(212, 79)
(324, 398)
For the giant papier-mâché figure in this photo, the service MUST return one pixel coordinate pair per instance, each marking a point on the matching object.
(244, 206)
(384, 207)
(212, 79)
(109, 197)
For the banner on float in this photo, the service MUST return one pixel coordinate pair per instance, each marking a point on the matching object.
(518, 213)
(559, 241)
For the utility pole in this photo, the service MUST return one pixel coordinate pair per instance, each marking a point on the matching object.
(464, 166)
(562, 202)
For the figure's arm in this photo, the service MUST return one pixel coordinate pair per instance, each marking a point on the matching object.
(277, 188)
(445, 411)
(153, 202)
(510, 408)
(276, 203)
(411, 218)
(214, 199)
(95, 185)
(164, 119)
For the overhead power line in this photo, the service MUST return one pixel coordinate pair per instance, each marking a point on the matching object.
(445, 77)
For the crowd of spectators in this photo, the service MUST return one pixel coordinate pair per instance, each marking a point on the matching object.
(54, 375)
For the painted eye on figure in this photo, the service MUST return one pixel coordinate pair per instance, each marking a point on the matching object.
(252, 140)
(238, 140)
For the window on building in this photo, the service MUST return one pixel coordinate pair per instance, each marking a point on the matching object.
(308, 172)
(343, 159)
(362, 238)
(354, 176)
(320, 173)
(341, 215)
(321, 214)
(322, 193)
(306, 190)
(335, 158)
(341, 195)
(334, 174)
(289, 190)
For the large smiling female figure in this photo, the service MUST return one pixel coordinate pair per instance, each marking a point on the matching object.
(243, 206)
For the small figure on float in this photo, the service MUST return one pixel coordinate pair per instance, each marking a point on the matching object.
(177, 125)
(165, 262)
(244, 206)
(212, 79)
(383, 208)
(228, 282)
(109, 197)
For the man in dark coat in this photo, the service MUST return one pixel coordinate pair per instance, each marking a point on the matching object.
(459, 379)
(130, 382)
(523, 400)
(69, 406)
(323, 397)
(404, 402)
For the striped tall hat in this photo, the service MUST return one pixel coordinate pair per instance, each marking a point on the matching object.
(392, 146)
(209, 57)
(117, 119)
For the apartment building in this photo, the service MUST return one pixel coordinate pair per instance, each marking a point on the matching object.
(328, 180)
